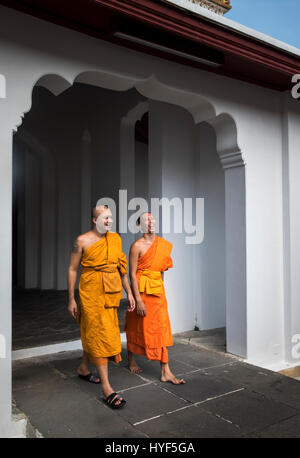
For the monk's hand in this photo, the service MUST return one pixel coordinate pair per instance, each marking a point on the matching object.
(131, 303)
(140, 308)
(72, 307)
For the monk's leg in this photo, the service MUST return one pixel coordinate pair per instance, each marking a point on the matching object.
(83, 368)
(133, 367)
(105, 385)
(167, 376)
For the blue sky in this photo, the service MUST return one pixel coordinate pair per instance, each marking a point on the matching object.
(278, 18)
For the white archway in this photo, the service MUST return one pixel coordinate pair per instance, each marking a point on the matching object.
(201, 110)
(235, 229)
(231, 159)
(127, 158)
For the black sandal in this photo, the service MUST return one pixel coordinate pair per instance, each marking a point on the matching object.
(90, 378)
(112, 399)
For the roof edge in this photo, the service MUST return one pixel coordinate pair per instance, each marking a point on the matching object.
(236, 26)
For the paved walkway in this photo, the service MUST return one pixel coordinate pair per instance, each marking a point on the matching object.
(223, 397)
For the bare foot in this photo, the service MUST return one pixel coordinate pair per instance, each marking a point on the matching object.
(135, 369)
(172, 379)
(132, 365)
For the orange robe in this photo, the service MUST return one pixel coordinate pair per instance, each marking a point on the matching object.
(151, 335)
(100, 291)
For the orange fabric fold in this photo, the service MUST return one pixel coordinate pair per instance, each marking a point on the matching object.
(155, 354)
(104, 361)
(152, 333)
(100, 291)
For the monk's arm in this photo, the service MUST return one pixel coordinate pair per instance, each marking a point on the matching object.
(127, 288)
(133, 260)
(75, 259)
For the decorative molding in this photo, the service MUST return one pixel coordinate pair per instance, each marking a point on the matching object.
(217, 6)
(136, 113)
(227, 146)
(230, 159)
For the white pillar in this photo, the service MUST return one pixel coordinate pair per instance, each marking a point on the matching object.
(211, 274)
(5, 276)
(32, 220)
(172, 175)
(236, 291)
(86, 189)
(127, 163)
(19, 176)
(235, 234)
(155, 149)
(291, 227)
(48, 221)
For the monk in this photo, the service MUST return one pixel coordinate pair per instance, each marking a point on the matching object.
(104, 272)
(148, 328)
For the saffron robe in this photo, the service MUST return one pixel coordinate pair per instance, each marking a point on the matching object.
(151, 335)
(100, 292)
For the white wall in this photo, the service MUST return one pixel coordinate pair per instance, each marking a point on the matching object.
(211, 296)
(291, 213)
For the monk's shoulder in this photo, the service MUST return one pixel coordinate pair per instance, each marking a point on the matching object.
(165, 243)
(114, 235)
(136, 246)
(83, 238)
(115, 238)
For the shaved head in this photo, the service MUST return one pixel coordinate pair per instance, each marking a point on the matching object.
(139, 218)
(96, 211)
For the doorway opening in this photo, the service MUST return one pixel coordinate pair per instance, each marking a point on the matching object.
(66, 156)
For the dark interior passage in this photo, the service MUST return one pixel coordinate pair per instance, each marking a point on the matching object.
(66, 155)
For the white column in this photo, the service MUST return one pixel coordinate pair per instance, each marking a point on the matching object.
(172, 175)
(86, 190)
(65, 218)
(127, 164)
(291, 227)
(32, 220)
(235, 234)
(127, 176)
(155, 149)
(5, 275)
(210, 254)
(48, 221)
(19, 176)
(236, 280)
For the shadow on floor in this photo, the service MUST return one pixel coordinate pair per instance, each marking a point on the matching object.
(41, 318)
